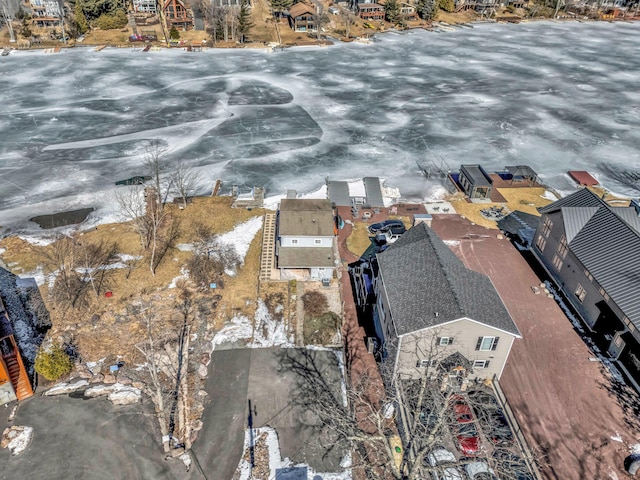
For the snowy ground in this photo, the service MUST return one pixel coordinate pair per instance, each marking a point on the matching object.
(269, 437)
(17, 438)
(262, 331)
(555, 96)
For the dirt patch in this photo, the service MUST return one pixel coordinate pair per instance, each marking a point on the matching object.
(321, 330)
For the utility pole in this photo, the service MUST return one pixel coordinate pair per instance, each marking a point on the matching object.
(7, 20)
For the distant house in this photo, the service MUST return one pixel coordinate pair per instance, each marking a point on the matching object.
(145, 6)
(305, 239)
(428, 309)
(475, 181)
(302, 17)
(370, 11)
(45, 13)
(592, 252)
(178, 14)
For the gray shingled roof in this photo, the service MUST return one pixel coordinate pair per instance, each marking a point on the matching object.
(606, 244)
(427, 285)
(306, 217)
(305, 257)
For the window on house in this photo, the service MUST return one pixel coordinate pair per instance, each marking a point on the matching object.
(427, 362)
(541, 243)
(445, 340)
(628, 323)
(294, 241)
(580, 292)
(588, 275)
(487, 343)
(318, 241)
(546, 227)
(557, 262)
(618, 340)
(604, 294)
(562, 247)
(481, 364)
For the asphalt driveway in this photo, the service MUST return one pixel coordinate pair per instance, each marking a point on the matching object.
(264, 377)
(90, 440)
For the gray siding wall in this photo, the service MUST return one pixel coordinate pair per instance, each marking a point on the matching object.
(382, 308)
(422, 345)
(286, 241)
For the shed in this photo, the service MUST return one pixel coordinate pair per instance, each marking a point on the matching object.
(582, 178)
(475, 181)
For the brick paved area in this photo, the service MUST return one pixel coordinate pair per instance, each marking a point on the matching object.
(560, 397)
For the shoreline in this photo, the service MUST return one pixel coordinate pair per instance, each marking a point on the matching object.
(328, 42)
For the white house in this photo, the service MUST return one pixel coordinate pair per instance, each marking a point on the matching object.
(305, 239)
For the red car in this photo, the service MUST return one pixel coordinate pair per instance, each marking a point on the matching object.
(464, 430)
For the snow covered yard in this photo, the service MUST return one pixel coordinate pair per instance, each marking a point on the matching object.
(263, 445)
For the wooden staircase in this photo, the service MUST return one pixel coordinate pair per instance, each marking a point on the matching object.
(18, 376)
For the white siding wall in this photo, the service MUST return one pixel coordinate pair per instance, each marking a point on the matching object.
(287, 241)
(420, 346)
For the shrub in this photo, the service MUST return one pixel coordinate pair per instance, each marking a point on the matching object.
(111, 22)
(54, 363)
(315, 303)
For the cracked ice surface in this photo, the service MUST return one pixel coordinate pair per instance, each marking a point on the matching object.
(556, 96)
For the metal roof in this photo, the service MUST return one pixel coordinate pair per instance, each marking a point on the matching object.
(575, 218)
(477, 175)
(606, 245)
(521, 171)
(339, 193)
(374, 192)
(582, 178)
(427, 285)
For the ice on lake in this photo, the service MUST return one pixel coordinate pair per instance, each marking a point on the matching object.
(555, 96)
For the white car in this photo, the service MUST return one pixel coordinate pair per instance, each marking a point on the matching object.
(440, 457)
(480, 471)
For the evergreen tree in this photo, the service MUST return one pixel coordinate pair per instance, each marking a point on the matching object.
(244, 21)
(174, 34)
(80, 19)
(392, 11)
(25, 29)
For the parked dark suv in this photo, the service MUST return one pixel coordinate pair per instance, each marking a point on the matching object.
(395, 227)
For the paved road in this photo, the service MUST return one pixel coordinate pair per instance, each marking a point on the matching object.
(89, 440)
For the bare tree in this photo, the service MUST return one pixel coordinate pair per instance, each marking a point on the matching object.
(79, 267)
(165, 349)
(157, 164)
(349, 19)
(210, 258)
(132, 205)
(185, 181)
(418, 413)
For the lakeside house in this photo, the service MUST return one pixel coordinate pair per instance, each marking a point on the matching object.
(305, 239)
(302, 17)
(428, 310)
(591, 251)
(370, 11)
(178, 14)
(145, 6)
(45, 13)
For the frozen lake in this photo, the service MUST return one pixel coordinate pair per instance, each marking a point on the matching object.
(550, 95)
